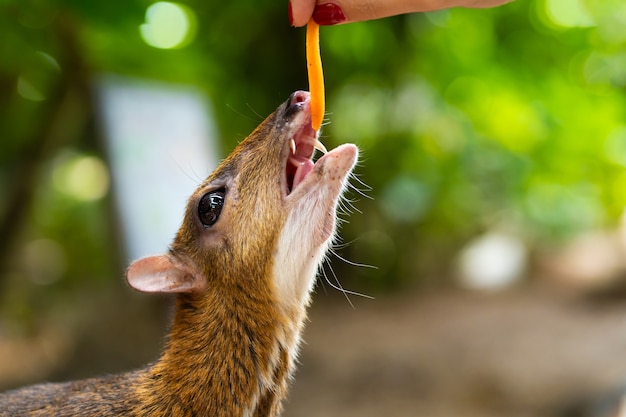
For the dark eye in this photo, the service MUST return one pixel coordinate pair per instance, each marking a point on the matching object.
(210, 207)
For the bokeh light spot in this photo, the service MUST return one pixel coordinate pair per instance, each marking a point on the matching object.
(28, 90)
(406, 199)
(615, 147)
(84, 178)
(568, 13)
(168, 25)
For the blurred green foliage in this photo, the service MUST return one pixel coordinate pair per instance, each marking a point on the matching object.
(469, 120)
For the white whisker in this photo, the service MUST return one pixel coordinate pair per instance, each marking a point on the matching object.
(325, 277)
(337, 245)
(345, 206)
(356, 177)
(352, 262)
(240, 113)
(361, 192)
(340, 288)
(254, 111)
(195, 177)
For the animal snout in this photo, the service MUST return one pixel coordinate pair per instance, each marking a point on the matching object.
(298, 101)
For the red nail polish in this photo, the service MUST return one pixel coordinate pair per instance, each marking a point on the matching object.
(290, 11)
(328, 14)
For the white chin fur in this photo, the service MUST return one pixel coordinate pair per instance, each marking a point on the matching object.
(310, 226)
(306, 235)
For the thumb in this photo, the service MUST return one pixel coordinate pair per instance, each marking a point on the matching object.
(300, 11)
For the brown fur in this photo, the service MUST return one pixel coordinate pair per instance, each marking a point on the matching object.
(228, 351)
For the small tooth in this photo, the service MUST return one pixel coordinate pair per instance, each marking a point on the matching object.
(292, 145)
(320, 146)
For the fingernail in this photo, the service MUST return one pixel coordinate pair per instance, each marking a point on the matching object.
(328, 14)
(290, 11)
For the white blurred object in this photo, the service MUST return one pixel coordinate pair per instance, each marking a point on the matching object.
(161, 144)
(592, 260)
(492, 261)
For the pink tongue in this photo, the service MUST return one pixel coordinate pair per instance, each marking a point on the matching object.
(304, 168)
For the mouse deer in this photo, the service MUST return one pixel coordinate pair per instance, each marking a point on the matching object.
(242, 267)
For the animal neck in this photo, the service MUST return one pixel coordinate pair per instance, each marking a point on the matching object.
(229, 353)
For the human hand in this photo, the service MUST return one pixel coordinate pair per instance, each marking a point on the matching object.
(344, 11)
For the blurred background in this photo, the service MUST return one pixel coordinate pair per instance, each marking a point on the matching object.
(487, 216)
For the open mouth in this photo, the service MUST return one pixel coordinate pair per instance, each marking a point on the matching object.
(300, 157)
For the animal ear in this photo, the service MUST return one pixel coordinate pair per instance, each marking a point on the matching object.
(161, 274)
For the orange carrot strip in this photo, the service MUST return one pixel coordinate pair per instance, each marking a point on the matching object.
(316, 75)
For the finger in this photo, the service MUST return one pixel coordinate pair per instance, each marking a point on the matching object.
(300, 11)
(480, 4)
(344, 11)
